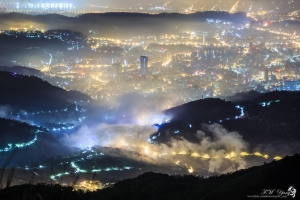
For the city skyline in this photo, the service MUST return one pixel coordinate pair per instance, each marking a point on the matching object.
(72, 7)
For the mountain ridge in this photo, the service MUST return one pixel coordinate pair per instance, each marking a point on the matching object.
(277, 175)
(32, 89)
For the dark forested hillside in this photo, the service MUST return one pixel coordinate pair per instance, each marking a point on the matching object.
(277, 176)
(33, 94)
(22, 70)
(269, 122)
(203, 110)
(23, 144)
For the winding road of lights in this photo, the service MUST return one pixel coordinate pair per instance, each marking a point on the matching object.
(53, 177)
(264, 104)
(107, 169)
(190, 169)
(77, 109)
(242, 115)
(19, 145)
(78, 170)
(231, 155)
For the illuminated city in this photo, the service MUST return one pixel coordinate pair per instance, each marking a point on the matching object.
(99, 94)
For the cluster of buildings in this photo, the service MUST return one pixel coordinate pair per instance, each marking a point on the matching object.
(45, 6)
(288, 9)
(178, 67)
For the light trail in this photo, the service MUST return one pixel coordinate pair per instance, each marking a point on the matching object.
(166, 63)
(19, 145)
(234, 8)
(50, 61)
(231, 155)
(188, 10)
(250, 7)
(201, 9)
(79, 170)
(167, 3)
(294, 13)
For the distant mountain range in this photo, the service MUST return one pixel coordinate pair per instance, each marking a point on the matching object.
(120, 25)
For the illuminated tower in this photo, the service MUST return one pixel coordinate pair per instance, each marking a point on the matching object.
(204, 34)
(144, 65)
(124, 60)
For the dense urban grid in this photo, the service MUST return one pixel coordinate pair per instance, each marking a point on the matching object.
(229, 58)
(74, 7)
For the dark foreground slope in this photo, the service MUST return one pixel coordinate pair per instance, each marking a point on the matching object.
(278, 175)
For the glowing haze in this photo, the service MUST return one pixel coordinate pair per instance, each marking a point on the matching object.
(187, 6)
(218, 149)
(222, 148)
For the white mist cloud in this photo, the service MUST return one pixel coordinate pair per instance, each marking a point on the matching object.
(5, 111)
(217, 146)
(130, 108)
(108, 135)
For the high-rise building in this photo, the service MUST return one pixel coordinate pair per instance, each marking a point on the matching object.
(266, 75)
(144, 65)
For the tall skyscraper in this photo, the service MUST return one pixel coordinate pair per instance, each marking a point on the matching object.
(266, 75)
(144, 65)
